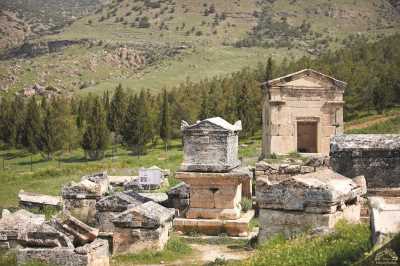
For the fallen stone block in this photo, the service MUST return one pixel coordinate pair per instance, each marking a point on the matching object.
(108, 207)
(291, 223)
(384, 217)
(34, 200)
(12, 225)
(93, 254)
(43, 236)
(144, 226)
(80, 232)
(321, 192)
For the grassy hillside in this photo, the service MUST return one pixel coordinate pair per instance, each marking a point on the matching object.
(203, 34)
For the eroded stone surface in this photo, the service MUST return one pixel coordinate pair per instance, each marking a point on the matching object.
(384, 217)
(377, 157)
(210, 145)
(147, 215)
(321, 192)
(179, 198)
(291, 223)
(93, 254)
(35, 200)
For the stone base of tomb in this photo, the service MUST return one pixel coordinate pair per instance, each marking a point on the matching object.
(131, 240)
(206, 213)
(83, 209)
(290, 223)
(93, 254)
(236, 227)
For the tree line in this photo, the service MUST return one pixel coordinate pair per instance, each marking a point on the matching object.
(136, 120)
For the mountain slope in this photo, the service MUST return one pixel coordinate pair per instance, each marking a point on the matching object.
(181, 39)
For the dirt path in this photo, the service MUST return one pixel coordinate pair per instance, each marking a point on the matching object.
(375, 120)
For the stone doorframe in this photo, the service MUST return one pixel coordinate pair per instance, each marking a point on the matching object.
(310, 119)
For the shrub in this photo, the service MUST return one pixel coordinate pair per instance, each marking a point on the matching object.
(246, 204)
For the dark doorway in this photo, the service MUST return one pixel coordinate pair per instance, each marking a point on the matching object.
(307, 137)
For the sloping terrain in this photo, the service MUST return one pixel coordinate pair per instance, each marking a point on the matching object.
(191, 39)
(38, 17)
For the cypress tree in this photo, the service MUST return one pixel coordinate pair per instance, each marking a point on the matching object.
(33, 126)
(204, 107)
(18, 112)
(137, 131)
(96, 137)
(268, 70)
(8, 132)
(165, 125)
(117, 111)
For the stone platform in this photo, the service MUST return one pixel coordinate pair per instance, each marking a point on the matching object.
(215, 195)
(237, 227)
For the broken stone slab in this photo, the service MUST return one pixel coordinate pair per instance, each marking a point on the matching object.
(107, 208)
(101, 179)
(377, 157)
(160, 198)
(384, 217)
(291, 223)
(134, 240)
(12, 225)
(210, 145)
(85, 189)
(148, 215)
(43, 235)
(120, 180)
(35, 200)
(5, 213)
(323, 191)
(93, 254)
(80, 232)
(178, 198)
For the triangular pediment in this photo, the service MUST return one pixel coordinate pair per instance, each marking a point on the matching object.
(307, 78)
(305, 82)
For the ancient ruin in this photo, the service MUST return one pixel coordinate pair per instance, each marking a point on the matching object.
(312, 201)
(385, 218)
(210, 145)
(210, 169)
(301, 112)
(377, 157)
(80, 198)
(30, 200)
(145, 226)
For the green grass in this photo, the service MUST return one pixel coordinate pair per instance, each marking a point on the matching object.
(175, 249)
(344, 246)
(47, 177)
(391, 126)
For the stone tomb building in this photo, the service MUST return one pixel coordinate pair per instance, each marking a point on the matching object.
(210, 169)
(210, 145)
(301, 112)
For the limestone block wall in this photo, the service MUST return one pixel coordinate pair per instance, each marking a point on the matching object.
(377, 157)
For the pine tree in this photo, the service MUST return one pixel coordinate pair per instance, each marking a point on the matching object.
(96, 137)
(117, 112)
(165, 125)
(33, 126)
(245, 109)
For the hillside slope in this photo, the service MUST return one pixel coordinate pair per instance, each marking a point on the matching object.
(160, 43)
